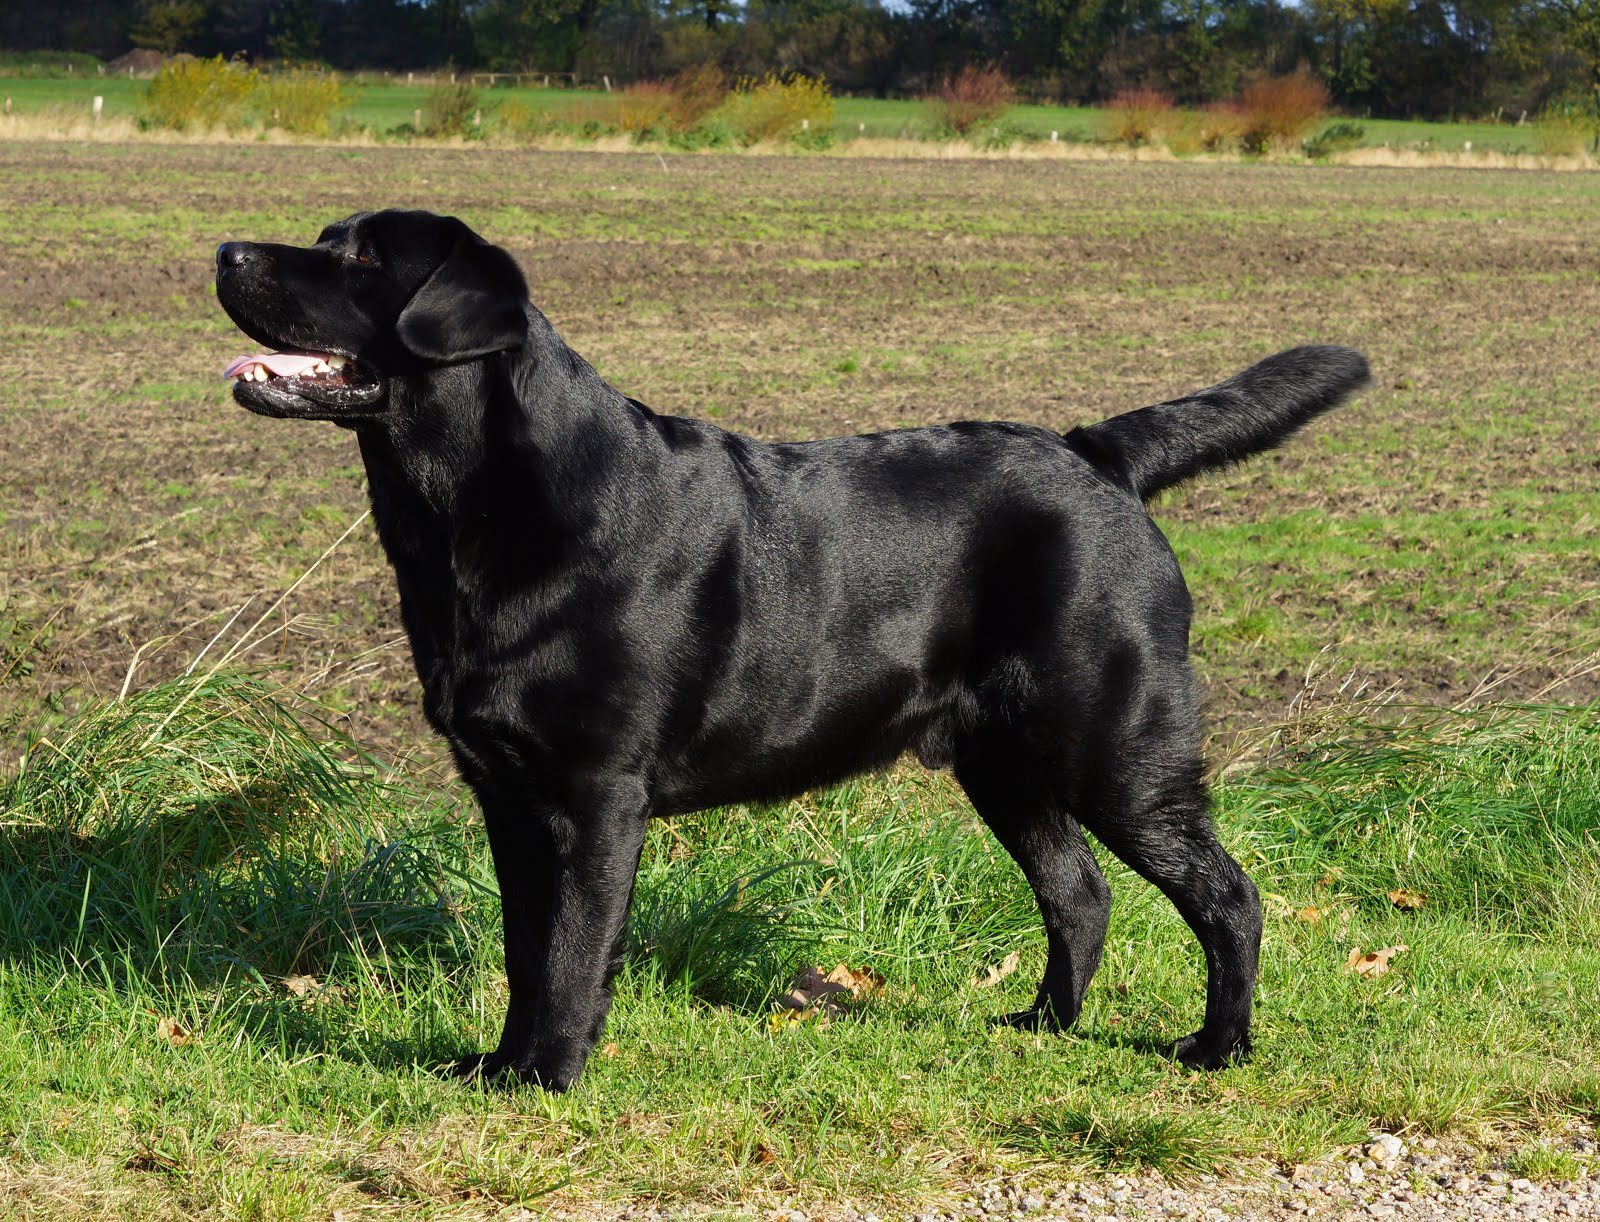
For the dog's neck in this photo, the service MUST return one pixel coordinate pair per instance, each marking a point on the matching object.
(532, 436)
(524, 420)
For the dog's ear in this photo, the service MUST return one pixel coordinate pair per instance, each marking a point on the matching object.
(472, 305)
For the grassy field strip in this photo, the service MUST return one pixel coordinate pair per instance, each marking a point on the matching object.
(383, 108)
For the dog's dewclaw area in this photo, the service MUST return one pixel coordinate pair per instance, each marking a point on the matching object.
(235, 949)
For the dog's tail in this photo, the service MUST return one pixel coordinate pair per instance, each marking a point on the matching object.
(1156, 447)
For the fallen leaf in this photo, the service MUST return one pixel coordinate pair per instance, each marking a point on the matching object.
(610, 1050)
(861, 981)
(299, 986)
(764, 1154)
(1407, 899)
(1331, 877)
(1310, 916)
(172, 1032)
(996, 972)
(1374, 963)
(816, 989)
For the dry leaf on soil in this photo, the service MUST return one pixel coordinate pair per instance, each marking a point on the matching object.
(1374, 963)
(170, 1031)
(996, 972)
(1407, 899)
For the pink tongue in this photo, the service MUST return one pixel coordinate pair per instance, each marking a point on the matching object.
(281, 364)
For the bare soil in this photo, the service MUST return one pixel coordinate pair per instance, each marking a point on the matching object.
(1435, 539)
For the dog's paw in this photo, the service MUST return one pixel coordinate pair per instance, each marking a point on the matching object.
(1200, 1051)
(1040, 1018)
(481, 1068)
(495, 1069)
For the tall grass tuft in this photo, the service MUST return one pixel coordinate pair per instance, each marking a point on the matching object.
(202, 93)
(199, 827)
(726, 940)
(1181, 1145)
(1492, 814)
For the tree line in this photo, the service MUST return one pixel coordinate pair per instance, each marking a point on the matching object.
(1428, 58)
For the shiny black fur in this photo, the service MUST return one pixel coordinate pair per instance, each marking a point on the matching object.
(617, 614)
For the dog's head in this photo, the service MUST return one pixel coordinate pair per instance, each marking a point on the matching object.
(381, 295)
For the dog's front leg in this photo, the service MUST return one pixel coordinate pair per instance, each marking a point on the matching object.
(566, 880)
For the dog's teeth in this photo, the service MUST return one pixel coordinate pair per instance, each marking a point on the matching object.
(321, 367)
(336, 362)
(260, 373)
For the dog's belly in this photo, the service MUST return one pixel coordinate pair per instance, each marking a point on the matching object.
(767, 743)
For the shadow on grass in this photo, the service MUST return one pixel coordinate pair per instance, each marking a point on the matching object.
(197, 837)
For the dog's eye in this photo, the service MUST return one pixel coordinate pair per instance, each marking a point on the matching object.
(366, 256)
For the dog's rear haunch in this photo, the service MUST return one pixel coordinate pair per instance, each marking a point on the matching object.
(617, 614)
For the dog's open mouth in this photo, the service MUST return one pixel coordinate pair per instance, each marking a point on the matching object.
(300, 383)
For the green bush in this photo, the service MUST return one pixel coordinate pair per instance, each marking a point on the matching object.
(777, 107)
(202, 93)
(449, 109)
(1335, 138)
(711, 132)
(300, 100)
(1566, 128)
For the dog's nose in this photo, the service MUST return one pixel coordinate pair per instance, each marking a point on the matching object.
(232, 254)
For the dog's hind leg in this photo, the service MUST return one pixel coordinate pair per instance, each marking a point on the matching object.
(1012, 795)
(1153, 813)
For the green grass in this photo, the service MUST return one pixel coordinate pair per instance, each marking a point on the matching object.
(232, 952)
(382, 108)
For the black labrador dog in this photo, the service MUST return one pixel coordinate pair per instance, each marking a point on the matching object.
(617, 614)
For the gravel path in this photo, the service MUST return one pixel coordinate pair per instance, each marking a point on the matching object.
(1385, 1178)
